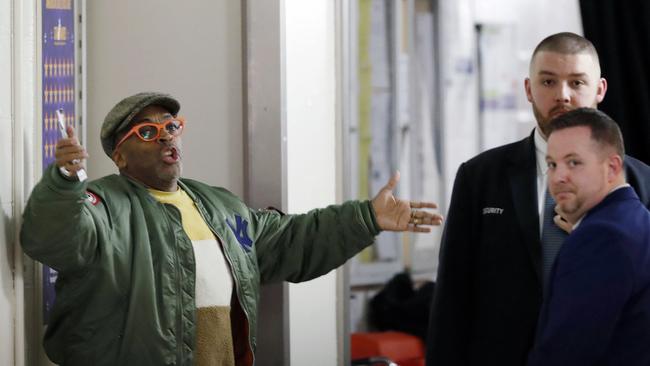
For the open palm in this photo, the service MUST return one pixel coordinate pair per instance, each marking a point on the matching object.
(394, 214)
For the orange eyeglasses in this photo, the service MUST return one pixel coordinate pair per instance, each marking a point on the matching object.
(149, 131)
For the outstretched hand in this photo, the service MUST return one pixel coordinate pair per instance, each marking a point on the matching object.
(394, 214)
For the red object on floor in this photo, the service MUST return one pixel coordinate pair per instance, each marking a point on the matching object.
(403, 349)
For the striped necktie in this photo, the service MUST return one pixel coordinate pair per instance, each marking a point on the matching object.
(552, 237)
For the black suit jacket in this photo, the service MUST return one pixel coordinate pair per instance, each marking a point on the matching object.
(489, 285)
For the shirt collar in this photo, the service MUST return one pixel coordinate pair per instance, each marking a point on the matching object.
(619, 187)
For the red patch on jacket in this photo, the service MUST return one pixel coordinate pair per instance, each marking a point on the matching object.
(92, 198)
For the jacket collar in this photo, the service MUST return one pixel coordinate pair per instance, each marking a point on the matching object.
(620, 194)
(142, 189)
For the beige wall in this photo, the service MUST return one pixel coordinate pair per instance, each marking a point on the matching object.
(189, 49)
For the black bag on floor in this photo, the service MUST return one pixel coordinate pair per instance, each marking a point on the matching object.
(399, 307)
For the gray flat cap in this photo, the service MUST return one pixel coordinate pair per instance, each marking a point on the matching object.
(121, 115)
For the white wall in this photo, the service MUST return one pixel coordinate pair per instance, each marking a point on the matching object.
(532, 20)
(191, 50)
(7, 296)
(18, 38)
(311, 166)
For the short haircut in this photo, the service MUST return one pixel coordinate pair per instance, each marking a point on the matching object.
(566, 43)
(604, 130)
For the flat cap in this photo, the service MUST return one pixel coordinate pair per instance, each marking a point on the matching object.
(119, 118)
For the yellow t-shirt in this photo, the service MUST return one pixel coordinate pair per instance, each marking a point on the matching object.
(213, 285)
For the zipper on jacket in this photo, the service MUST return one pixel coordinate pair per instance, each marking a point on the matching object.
(179, 301)
(234, 276)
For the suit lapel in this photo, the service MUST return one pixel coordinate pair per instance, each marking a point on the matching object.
(523, 183)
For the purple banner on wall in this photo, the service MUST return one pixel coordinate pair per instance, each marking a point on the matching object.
(59, 91)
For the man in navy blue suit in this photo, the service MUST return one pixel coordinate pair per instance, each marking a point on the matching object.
(596, 310)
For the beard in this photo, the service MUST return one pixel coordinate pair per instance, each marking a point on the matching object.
(543, 122)
(581, 197)
(570, 207)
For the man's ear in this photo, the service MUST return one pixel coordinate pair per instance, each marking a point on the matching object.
(614, 167)
(602, 89)
(119, 159)
(529, 92)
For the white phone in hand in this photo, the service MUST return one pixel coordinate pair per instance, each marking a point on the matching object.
(81, 174)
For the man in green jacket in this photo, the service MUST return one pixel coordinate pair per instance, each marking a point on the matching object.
(159, 270)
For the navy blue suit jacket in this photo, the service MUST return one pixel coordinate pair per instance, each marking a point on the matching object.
(597, 311)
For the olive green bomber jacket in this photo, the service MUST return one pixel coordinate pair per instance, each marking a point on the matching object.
(125, 290)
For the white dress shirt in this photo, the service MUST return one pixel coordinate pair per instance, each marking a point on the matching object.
(542, 177)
